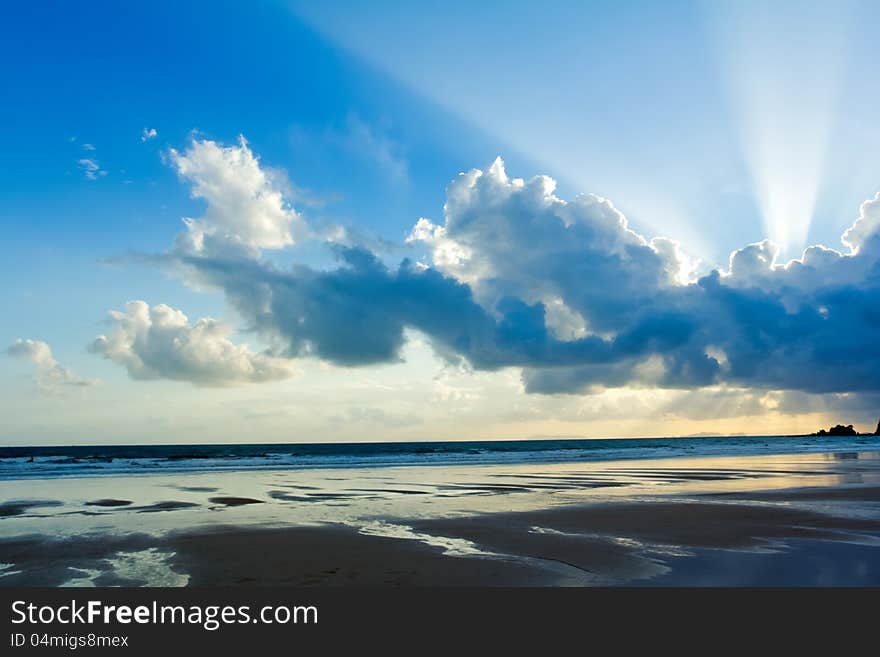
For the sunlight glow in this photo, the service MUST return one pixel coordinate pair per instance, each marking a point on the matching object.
(783, 62)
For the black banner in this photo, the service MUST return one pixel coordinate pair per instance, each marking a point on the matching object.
(236, 621)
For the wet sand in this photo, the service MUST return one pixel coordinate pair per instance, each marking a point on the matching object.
(695, 521)
(577, 545)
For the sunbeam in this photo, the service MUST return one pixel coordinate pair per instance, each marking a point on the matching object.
(782, 63)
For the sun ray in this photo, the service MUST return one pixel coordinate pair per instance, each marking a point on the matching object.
(783, 65)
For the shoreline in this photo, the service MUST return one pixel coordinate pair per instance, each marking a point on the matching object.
(349, 443)
(38, 463)
(803, 519)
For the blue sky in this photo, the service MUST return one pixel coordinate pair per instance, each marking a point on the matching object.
(713, 124)
(92, 74)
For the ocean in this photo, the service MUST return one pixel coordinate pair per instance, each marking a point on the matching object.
(85, 461)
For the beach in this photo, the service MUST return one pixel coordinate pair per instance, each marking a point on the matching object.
(793, 519)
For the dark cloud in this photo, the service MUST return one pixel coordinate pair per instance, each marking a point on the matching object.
(697, 335)
(566, 291)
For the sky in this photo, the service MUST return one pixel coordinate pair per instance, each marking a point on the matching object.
(340, 221)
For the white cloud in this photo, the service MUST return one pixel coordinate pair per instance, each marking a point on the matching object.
(511, 237)
(866, 225)
(49, 373)
(91, 169)
(565, 290)
(148, 133)
(159, 342)
(88, 147)
(368, 415)
(246, 206)
(561, 290)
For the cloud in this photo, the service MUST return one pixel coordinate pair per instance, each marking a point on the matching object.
(805, 325)
(159, 342)
(501, 260)
(88, 147)
(716, 403)
(91, 169)
(865, 226)
(514, 238)
(246, 208)
(49, 373)
(516, 277)
(864, 406)
(365, 415)
(148, 133)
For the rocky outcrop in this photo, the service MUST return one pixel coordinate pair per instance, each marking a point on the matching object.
(840, 430)
(848, 430)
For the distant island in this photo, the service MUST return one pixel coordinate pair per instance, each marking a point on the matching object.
(848, 430)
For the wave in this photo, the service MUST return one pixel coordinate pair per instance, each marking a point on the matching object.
(80, 461)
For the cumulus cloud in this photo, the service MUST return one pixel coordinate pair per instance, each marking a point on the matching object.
(246, 208)
(806, 325)
(508, 252)
(148, 133)
(565, 290)
(513, 238)
(49, 373)
(510, 258)
(159, 342)
(865, 226)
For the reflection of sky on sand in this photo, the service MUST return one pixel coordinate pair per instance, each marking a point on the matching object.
(147, 565)
(566, 574)
(150, 565)
(159, 503)
(802, 562)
